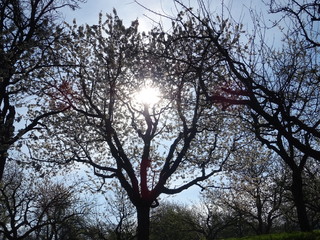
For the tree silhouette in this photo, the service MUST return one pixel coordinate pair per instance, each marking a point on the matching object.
(28, 30)
(150, 149)
(31, 208)
(279, 87)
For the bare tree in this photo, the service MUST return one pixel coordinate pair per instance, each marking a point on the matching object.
(303, 15)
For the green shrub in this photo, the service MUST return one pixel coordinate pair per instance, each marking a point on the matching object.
(315, 235)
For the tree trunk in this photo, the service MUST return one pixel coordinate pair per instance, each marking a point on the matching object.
(259, 214)
(6, 132)
(297, 192)
(3, 159)
(143, 214)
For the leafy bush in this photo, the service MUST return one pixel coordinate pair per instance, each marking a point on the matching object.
(315, 235)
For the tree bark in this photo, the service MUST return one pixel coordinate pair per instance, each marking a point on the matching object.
(297, 192)
(143, 214)
(259, 214)
(3, 159)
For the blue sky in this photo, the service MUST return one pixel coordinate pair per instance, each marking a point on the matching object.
(128, 10)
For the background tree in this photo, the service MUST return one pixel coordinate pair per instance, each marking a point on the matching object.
(144, 146)
(207, 219)
(27, 212)
(28, 30)
(62, 208)
(212, 221)
(172, 221)
(222, 220)
(254, 189)
(121, 215)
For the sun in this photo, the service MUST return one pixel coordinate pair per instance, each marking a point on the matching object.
(148, 96)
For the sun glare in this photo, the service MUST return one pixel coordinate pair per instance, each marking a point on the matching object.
(148, 96)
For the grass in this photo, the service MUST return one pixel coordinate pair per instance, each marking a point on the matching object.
(315, 235)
